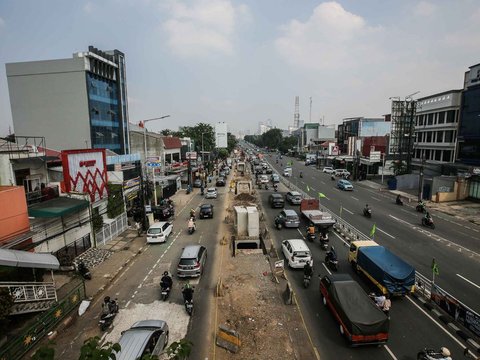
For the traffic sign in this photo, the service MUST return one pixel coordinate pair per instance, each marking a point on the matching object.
(154, 164)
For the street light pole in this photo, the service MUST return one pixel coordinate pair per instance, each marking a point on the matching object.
(145, 149)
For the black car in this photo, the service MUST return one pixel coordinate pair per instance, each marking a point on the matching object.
(163, 212)
(206, 211)
(221, 181)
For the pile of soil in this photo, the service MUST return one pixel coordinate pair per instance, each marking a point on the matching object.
(245, 197)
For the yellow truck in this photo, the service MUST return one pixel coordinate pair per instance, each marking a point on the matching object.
(387, 271)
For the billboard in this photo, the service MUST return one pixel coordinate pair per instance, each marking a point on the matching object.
(221, 135)
(85, 171)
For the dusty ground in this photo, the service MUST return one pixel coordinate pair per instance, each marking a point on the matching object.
(252, 304)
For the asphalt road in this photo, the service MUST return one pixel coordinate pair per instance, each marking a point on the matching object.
(411, 328)
(454, 243)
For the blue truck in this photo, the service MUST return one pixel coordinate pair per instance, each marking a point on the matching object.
(387, 271)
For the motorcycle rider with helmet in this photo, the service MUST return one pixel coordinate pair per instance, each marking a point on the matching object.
(187, 292)
(307, 269)
(331, 254)
(191, 224)
(166, 281)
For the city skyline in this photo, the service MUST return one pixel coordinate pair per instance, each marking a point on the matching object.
(243, 62)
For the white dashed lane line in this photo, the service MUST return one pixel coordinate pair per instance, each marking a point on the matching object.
(393, 237)
(469, 281)
(348, 211)
(354, 198)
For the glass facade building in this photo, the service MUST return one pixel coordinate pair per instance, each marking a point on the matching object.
(107, 94)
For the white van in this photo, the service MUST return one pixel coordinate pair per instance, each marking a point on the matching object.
(297, 253)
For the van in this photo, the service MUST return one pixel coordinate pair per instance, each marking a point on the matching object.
(297, 253)
(192, 261)
(276, 201)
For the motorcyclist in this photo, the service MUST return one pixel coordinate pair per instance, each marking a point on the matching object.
(366, 208)
(191, 224)
(202, 190)
(187, 292)
(192, 213)
(311, 230)
(331, 254)
(108, 305)
(445, 353)
(428, 218)
(166, 281)
(399, 200)
(308, 270)
(301, 174)
(333, 176)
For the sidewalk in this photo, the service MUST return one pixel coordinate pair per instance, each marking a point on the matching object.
(465, 210)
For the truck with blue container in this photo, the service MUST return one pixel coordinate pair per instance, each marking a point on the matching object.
(384, 269)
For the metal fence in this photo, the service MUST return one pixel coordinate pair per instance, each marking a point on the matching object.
(110, 231)
(17, 347)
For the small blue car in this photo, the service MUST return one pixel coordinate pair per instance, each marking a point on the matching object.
(345, 185)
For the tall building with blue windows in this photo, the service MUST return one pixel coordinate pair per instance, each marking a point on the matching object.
(74, 103)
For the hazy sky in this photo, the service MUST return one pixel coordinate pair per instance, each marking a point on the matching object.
(245, 61)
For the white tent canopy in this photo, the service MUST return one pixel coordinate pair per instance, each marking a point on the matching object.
(18, 258)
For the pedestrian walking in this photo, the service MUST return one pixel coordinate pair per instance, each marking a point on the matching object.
(138, 227)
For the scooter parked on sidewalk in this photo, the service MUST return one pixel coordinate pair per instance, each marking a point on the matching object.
(83, 270)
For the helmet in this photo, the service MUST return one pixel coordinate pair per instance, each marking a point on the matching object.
(188, 286)
(308, 263)
(106, 299)
(165, 273)
(445, 351)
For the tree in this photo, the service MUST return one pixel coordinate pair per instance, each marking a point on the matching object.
(288, 143)
(195, 133)
(231, 142)
(272, 138)
(115, 204)
(398, 167)
(180, 350)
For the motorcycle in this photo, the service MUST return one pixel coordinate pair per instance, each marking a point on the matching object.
(428, 222)
(189, 189)
(311, 237)
(275, 188)
(202, 192)
(399, 201)
(367, 212)
(165, 291)
(332, 177)
(331, 262)
(83, 270)
(306, 281)
(106, 319)
(189, 307)
(421, 208)
(301, 175)
(266, 186)
(191, 230)
(429, 354)
(323, 243)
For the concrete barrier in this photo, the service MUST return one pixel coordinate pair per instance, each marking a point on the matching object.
(228, 339)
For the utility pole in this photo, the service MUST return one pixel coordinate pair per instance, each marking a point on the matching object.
(310, 110)
(420, 180)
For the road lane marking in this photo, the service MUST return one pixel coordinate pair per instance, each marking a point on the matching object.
(435, 322)
(408, 212)
(128, 303)
(471, 282)
(374, 198)
(323, 182)
(390, 352)
(301, 233)
(312, 188)
(326, 268)
(348, 211)
(393, 237)
(354, 198)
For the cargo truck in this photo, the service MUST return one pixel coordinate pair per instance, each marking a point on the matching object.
(310, 209)
(360, 320)
(388, 272)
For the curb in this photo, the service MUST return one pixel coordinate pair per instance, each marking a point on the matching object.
(446, 320)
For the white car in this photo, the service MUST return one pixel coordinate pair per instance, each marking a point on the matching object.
(296, 253)
(159, 232)
(287, 172)
(328, 170)
(211, 193)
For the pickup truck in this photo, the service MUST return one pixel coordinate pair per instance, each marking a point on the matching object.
(310, 209)
(360, 320)
(388, 272)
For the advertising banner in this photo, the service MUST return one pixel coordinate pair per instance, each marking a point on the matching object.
(85, 171)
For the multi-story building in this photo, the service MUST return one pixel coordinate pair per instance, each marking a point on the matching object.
(469, 126)
(73, 103)
(435, 133)
(353, 129)
(312, 135)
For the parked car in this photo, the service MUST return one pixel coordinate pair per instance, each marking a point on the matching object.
(342, 172)
(287, 218)
(297, 253)
(328, 170)
(159, 232)
(345, 185)
(192, 261)
(211, 193)
(220, 181)
(197, 183)
(294, 197)
(206, 211)
(276, 200)
(144, 337)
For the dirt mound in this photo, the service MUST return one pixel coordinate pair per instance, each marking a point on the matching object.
(245, 197)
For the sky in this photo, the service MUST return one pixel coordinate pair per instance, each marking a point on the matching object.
(242, 62)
